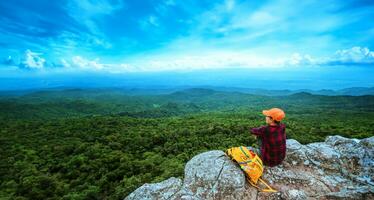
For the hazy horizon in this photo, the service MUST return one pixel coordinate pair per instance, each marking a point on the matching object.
(239, 78)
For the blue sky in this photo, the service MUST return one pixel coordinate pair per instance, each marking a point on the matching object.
(122, 36)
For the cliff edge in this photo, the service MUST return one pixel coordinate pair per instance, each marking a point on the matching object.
(339, 168)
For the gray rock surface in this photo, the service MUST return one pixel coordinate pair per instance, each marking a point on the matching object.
(339, 168)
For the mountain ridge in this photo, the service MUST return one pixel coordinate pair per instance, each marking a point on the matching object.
(352, 91)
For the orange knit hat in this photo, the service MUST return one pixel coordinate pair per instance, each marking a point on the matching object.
(275, 113)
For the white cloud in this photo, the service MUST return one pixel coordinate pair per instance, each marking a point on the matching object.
(83, 63)
(79, 63)
(355, 55)
(208, 60)
(230, 59)
(221, 60)
(33, 60)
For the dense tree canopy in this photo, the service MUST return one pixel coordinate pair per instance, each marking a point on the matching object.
(81, 145)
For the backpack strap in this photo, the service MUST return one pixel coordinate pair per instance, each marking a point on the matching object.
(241, 149)
(267, 189)
(249, 161)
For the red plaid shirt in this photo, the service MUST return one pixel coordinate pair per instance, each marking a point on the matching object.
(273, 143)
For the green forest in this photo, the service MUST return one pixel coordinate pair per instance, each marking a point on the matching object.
(104, 143)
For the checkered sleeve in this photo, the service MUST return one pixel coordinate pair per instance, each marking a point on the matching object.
(258, 131)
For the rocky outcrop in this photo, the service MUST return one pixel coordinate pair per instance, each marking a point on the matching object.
(339, 168)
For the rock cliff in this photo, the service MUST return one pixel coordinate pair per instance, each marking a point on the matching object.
(339, 168)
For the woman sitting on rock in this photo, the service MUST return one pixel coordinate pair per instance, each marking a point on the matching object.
(272, 138)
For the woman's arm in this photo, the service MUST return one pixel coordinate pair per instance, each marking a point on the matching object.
(258, 131)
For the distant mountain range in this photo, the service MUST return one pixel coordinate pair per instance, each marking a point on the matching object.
(354, 91)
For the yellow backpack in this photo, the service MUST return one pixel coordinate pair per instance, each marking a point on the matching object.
(251, 164)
